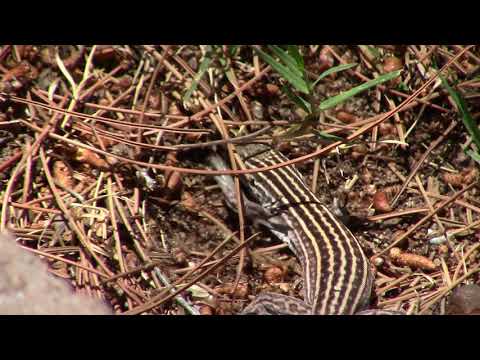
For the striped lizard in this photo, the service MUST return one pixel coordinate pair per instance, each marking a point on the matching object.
(336, 272)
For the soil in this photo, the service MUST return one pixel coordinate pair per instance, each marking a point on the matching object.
(125, 220)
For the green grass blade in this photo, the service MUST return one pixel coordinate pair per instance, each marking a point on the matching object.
(289, 61)
(328, 136)
(334, 70)
(232, 49)
(292, 78)
(467, 119)
(298, 100)
(201, 71)
(374, 51)
(295, 53)
(474, 155)
(337, 99)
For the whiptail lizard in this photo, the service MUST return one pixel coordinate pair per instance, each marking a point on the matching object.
(337, 275)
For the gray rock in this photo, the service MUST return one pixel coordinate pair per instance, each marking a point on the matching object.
(465, 300)
(26, 287)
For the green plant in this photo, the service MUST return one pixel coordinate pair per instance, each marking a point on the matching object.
(467, 119)
(290, 66)
(288, 62)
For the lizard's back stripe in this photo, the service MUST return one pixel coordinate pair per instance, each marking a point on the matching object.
(337, 276)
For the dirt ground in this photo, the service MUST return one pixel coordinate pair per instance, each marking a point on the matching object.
(89, 136)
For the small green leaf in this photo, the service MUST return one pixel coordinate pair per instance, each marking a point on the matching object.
(298, 100)
(295, 53)
(334, 70)
(201, 71)
(298, 82)
(467, 119)
(337, 99)
(474, 155)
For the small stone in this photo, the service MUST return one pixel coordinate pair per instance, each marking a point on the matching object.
(206, 310)
(380, 202)
(273, 274)
(378, 261)
(392, 63)
(346, 117)
(465, 300)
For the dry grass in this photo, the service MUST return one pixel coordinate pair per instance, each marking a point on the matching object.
(102, 173)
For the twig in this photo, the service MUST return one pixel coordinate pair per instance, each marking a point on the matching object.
(425, 219)
(419, 163)
(157, 301)
(178, 298)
